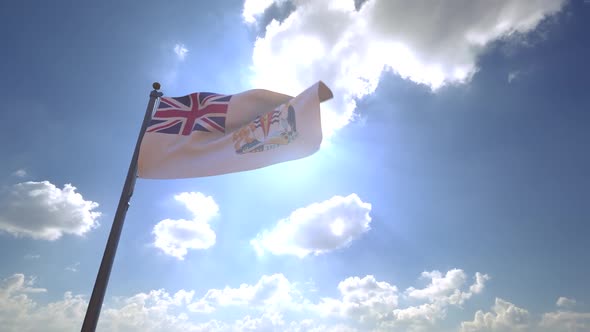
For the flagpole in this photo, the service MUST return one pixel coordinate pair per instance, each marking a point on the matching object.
(102, 278)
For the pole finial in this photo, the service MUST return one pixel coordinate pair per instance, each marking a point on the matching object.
(156, 86)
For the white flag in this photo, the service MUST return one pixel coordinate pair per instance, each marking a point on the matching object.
(205, 134)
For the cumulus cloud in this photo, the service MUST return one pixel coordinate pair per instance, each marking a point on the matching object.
(443, 291)
(363, 304)
(430, 43)
(18, 284)
(440, 285)
(447, 287)
(362, 298)
(14, 301)
(274, 290)
(479, 284)
(176, 236)
(317, 229)
(507, 317)
(504, 316)
(564, 302)
(376, 304)
(566, 321)
(153, 311)
(180, 51)
(253, 8)
(41, 210)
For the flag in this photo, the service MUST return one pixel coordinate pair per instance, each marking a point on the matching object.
(204, 134)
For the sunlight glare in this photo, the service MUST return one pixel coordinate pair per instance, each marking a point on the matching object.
(337, 227)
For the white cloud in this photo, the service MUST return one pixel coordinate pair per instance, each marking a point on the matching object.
(151, 311)
(439, 286)
(180, 51)
(507, 317)
(431, 43)
(73, 268)
(21, 173)
(566, 321)
(480, 280)
(441, 292)
(504, 316)
(253, 8)
(447, 287)
(513, 75)
(176, 237)
(16, 284)
(564, 302)
(141, 312)
(363, 304)
(41, 210)
(274, 290)
(318, 228)
(14, 302)
(362, 298)
(202, 207)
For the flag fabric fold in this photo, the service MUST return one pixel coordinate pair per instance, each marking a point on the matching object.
(205, 134)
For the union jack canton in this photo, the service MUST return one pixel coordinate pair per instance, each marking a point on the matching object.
(200, 111)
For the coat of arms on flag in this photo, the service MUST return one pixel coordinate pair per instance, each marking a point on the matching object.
(267, 131)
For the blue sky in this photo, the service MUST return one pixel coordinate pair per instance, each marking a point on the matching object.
(455, 155)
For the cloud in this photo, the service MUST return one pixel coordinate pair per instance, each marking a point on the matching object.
(430, 43)
(73, 268)
(253, 8)
(152, 311)
(176, 237)
(566, 321)
(18, 284)
(564, 302)
(41, 210)
(180, 51)
(447, 287)
(362, 298)
(317, 229)
(32, 256)
(513, 75)
(270, 291)
(18, 312)
(363, 304)
(504, 316)
(439, 286)
(507, 317)
(480, 280)
(442, 291)
(21, 173)
(275, 303)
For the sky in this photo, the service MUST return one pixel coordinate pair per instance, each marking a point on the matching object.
(450, 193)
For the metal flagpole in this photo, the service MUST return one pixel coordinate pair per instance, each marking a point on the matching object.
(102, 278)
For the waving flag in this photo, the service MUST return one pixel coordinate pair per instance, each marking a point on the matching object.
(206, 134)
